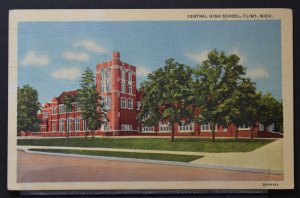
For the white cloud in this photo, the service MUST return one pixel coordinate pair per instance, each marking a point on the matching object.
(33, 59)
(238, 53)
(197, 56)
(66, 73)
(142, 71)
(256, 73)
(90, 45)
(76, 56)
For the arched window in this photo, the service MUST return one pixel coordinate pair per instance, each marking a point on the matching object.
(123, 73)
(106, 127)
(129, 76)
(103, 80)
(103, 74)
(108, 83)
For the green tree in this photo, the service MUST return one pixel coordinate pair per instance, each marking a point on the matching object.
(215, 81)
(67, 101)
(90, 102)
(27, 107)
(241, 107)
(167, 96)
(271, 111)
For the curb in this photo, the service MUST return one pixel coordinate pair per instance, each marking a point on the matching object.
(161, 162)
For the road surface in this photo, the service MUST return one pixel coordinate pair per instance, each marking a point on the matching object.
(46, 168)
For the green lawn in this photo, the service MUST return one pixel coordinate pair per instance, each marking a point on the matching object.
(180, 144)
(153, 156)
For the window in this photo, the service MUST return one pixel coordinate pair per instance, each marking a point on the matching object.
(123, 103)
(129, 77)
(106, 102)
(244, 127)
(84, 127)
(106, 127)
(148, 129)
(186, 127)
(54, 110)
(138, 105)
(77, 124)
(126, 127)
(105, 80)
(130, 88)
(206, 127)
(61, 125)
(46, 115)
(103, 76)
(123, 74)
(69, 124)
(261, 127)
(130, 105)
(164, 127)
(61, 108)
(77, 107)
(108, 83)
(103, 86)
(123, 88)
(271, 127)
(53, 127)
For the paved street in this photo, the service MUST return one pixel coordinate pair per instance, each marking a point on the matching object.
(45, 168)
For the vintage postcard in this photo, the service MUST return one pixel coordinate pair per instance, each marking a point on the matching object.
(150, 99)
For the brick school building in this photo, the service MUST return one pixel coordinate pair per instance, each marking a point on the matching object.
(116, 83)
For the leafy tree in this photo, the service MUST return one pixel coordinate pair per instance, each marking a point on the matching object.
(215, 81)
(167, 96)
(241, 107)
(67, 101)
(271, 111)
(27, 107)
(89, 102)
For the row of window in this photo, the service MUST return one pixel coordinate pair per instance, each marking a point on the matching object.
(106, 102)
(123, 81)
(61, 109)
(129, 103)
(77, 123)
(204, 127)
(123, 87)
(70, 123)
(106, 81)
(126, 127)
(165, 127)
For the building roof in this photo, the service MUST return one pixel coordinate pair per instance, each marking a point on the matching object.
(67, 93)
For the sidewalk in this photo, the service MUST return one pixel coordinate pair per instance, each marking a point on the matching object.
(268, 158)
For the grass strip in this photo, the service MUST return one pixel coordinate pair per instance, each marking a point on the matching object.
(180, 144)
(152, 156)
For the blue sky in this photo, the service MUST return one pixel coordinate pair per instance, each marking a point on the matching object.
(52, 55)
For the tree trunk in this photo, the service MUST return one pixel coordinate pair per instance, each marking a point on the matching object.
(86, 131)
(67, 125)
(86, 126)
(251, 132)
(213, 132)
(236, 133)
(199, 128)
(172, 133)
(93, 132)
